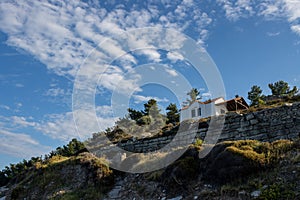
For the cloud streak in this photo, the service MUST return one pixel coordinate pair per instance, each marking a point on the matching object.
(141, 98)
(21, 145)
(269, 9)
(15, 142)
(62, 33)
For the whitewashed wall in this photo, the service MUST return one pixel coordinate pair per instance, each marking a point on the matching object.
(207, 110)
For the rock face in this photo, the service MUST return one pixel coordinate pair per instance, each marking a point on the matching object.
(190, 177)
(226, 163)
(243, 172)
(265, 125)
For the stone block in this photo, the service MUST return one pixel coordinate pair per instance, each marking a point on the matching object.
(254, 121)
(249, 116)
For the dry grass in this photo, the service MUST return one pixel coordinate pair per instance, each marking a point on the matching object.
(149, 160)
(261, 152)
(144, 162)
(57, 159)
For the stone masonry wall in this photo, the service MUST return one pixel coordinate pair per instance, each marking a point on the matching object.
(265, 125)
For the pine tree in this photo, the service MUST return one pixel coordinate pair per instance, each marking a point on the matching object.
(281, 88)
(255, 95)
(194, 94)
(172, 114)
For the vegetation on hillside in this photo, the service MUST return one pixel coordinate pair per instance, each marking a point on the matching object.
(255, 96)
(282, 88)
(76, 177)
(12, 172)
(149, 122)
(280, 92)
(232, 170)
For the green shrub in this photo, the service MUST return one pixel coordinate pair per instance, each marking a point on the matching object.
(198, 143)
(277, 191)
(154, 176)
(16, 192)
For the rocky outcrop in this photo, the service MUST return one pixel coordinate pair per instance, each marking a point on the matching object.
(82, 177)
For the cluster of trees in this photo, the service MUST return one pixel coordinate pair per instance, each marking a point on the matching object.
(14, 170)
(72, 148)
(9, 172)
(279, 89)
(150, 119)
(151, 115)
(151, 112)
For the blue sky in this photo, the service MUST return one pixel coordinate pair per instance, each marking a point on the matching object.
(44, 43)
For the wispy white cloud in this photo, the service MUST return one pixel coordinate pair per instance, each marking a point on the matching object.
(236, 9)
(58, 95)
(273, 34)
(5, 107)
(54, 92)
(62, 34)
(58, 126)
(297, 42)
(115, 79)
(21, 121)
(269, 9)
(152, 54)
(296, 29)
(171, 72)
(62, 126)
(292, 9)
(15, 142)
(206, 94)
(141, 98)
(20, 145)
(19, 85)
(18, 104)
(288, 9)
(15, 122)
(174, 56)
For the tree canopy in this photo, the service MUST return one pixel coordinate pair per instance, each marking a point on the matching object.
(15, 170)
(172, 114)
(282, 88)
(151, 108)
(255, 95)
(193, 94)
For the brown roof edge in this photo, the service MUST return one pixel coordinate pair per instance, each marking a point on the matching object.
(239, 100)
(205, 102)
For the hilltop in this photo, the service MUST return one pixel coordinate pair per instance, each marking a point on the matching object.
(234, 169)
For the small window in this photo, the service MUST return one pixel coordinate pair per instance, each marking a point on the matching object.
(193, 113)
(222, 111)
(199, 111)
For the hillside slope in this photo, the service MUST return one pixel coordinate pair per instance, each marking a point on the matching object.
(77, 177)
(245, 169)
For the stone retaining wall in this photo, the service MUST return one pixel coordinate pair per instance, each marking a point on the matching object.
(265, 125)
